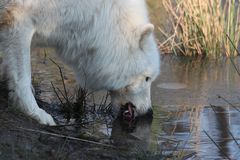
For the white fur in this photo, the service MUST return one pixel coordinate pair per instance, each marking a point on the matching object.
(108, 43)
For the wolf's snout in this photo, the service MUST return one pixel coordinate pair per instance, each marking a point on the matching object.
(131, 111)
(128, 111)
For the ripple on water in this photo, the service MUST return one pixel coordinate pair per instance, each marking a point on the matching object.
(172, 85)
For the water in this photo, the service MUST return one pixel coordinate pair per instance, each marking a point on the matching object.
(183, 118)
(187, 109)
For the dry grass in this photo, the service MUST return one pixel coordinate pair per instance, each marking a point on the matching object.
(200, 27)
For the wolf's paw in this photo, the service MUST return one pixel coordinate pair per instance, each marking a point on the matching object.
(43, 118)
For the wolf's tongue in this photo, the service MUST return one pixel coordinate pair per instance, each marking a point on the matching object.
(129, 113)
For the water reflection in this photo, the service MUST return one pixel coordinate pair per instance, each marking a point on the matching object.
(218, 123)
(204, 80)
(182, 132)
(170, 132)
(134, 135)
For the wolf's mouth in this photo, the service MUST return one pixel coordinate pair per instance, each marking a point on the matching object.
(128, 111)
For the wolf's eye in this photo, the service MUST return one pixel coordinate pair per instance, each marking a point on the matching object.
(147, 79)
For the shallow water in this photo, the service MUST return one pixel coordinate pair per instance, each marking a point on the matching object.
(184, 125)
(184, 113)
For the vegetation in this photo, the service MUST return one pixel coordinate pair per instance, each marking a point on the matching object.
(202, 27)
(75, 105)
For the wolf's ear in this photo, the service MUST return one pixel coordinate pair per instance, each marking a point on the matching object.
(145, 32)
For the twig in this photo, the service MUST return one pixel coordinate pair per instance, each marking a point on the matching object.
(54, 89)
(229, 103)
(232, 44)
(61, 73)
(217, 145)
(64, 136)
(64, 96)
(64, 86)
(235, 140)
(237, 69)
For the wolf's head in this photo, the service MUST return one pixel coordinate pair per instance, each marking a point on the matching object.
(125, 62)
(137, 91)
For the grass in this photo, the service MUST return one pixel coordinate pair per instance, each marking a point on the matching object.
(200, 27)
(74, 105)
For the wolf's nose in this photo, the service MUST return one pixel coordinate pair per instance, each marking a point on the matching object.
(149, 112)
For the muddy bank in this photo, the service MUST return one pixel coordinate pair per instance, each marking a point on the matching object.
(96, 136)
(21, 138)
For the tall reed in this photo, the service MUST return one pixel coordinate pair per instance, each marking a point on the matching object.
(200, 27)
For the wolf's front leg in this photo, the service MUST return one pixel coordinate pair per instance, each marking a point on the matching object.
(21, 96)
(15, 45)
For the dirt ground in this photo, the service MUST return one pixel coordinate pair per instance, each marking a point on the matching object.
(21, 138)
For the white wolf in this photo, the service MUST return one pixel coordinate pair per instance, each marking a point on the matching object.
(108, 43)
